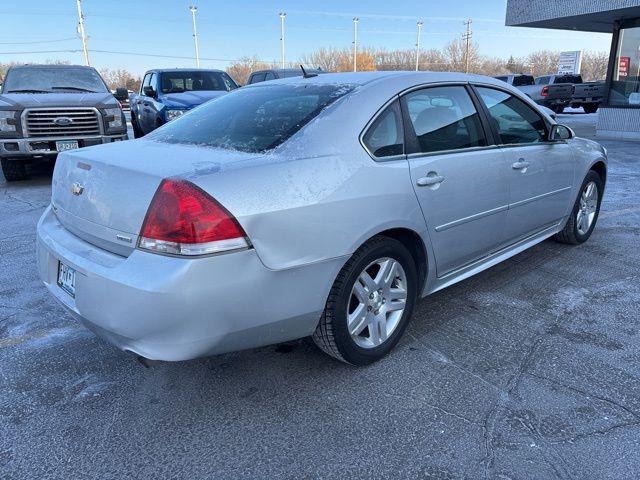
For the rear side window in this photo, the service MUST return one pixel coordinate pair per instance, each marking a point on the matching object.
(522, 80)
(258, 77)
(252, 119)
(384, 138)
(444, 118)
(516, 121)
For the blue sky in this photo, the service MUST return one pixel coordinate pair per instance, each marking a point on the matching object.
(232, 29)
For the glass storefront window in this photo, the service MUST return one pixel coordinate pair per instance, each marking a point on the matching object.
(625, 84)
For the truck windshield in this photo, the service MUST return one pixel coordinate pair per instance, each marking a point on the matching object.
(251, 119)
(180, 81)
(53, 79)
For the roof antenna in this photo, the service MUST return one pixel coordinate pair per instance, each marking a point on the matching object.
(307, 75)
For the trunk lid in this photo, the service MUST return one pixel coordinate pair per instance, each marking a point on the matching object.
(101, 194)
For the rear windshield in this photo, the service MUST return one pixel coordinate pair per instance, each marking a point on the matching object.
(180, 81)
(568, 79)
(251, 119)
(523, 80)
(59, 80)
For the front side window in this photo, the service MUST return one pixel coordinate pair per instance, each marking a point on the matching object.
(384, 138)
(185, 81)
(625, 84)
(53, 80)
(145, 82)
(444, 118)
(269, 76)
(252, 119)
(516, 121)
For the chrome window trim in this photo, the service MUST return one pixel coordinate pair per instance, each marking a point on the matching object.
(368, 125)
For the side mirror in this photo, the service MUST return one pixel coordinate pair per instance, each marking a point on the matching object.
(560, 132)
(149, 91)
(121, 94)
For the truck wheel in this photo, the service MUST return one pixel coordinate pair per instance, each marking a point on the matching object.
(137, 133)
(590, 108)
(558, 108)
(13, 170)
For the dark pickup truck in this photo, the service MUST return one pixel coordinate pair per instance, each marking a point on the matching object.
(556, 96)
(46, 109)
(587, 95)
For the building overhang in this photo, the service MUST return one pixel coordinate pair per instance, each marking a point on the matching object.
(581, 15)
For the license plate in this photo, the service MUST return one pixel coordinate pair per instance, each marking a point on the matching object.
(63, 145)
(67, 279)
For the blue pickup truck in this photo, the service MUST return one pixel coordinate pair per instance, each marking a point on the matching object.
(168, 93)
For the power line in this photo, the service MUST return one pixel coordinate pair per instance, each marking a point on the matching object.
(40, 41)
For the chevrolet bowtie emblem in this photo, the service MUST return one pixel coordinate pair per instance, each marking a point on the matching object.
(77, 189)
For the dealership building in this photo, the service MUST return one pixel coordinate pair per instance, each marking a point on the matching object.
(620, 111)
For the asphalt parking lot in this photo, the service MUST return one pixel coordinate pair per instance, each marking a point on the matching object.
(528, 370)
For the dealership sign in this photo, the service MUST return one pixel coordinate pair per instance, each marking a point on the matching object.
(570, 62)
(623, 66)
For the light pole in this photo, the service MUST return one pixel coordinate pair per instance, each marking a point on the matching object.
(283, 15)
(193, 10)
(355, 43)
(419, 24)
(82, 34)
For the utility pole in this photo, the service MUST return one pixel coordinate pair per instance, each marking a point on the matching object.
(82, 34)
(419, 24)
(467, 38)
(193, 10)
(355, 43)
(282, 17)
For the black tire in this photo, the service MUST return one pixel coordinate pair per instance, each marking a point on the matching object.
(558, 108)
(13, 170)
(590, 108)
(570, 233)
(332, 334)
(137, 133)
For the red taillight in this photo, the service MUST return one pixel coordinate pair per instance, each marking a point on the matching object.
(545, 91)
(185, 220)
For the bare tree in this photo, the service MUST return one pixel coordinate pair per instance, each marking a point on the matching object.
(543, 62)
(594, 66)
(241, 69)
(120, 78)
(455, 54)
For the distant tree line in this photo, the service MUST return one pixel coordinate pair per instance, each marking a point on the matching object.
(450, 58)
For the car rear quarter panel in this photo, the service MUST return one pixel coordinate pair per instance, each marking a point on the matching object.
(320, 195)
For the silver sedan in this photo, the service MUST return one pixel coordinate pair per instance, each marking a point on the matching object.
(322, 206)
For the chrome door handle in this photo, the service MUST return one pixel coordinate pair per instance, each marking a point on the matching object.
(521, 164)
(430, 180)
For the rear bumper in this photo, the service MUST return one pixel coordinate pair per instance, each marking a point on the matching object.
(554, 102)
(168, 308)
(587, 100)
(38, 147)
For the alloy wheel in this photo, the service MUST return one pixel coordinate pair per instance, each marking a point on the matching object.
(587, 208)
(377, 302)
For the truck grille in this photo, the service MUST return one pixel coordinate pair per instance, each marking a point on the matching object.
(77, 122)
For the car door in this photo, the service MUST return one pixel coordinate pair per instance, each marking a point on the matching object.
(459, 176)
(150, 106)
(137, 108)
(540, 171)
